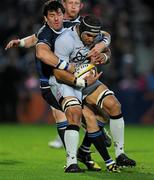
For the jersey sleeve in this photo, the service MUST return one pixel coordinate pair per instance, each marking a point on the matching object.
(44, 37)
(64, 46)
(106, 38)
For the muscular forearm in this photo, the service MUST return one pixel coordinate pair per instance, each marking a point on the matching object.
(29, 41)
(64, 76)
(46, 55)
(69, 79)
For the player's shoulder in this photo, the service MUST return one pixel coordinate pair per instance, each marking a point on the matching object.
(66, 35)
(45, 30)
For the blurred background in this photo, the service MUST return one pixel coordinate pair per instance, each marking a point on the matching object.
(130, 74)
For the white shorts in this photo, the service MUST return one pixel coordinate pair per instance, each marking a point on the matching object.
(62, 90)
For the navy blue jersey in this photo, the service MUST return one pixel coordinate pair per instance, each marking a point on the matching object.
(48, 36)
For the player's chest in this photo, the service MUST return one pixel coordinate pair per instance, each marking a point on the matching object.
(79, 53)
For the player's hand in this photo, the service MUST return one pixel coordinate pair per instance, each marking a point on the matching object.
(96, 56)
(99, 59)
(13, 43)
(97, 49)
(91, 78)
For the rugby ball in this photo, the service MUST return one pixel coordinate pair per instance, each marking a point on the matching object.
(84, 70)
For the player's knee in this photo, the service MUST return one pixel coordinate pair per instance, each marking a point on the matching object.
(74, 115)
(113, 106)
(91, 124)
(73, 110)
(103, 96)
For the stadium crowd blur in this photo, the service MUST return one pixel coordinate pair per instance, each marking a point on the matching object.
(130, 73)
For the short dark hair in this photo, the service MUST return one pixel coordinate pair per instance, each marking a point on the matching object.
(52, 6)
(91, 24)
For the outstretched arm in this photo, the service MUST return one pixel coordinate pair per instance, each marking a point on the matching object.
(26, 42)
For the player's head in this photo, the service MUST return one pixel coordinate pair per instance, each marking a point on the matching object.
(89, 28)
(53, 12)
(72, 8)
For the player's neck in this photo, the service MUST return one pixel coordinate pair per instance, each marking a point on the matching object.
(67, 17)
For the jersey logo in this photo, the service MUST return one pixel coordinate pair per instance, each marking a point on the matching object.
(81, 55)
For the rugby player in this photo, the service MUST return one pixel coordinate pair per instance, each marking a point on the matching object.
(71, 105)
(79, 40)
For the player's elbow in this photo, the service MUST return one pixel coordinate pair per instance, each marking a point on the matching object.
(33, 40)
(39, 53)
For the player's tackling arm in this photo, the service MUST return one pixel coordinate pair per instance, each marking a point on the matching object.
(44, 53)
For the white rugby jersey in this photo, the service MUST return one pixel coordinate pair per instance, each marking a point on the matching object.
(70, 48)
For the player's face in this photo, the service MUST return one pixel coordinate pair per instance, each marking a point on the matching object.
(72, 8)
(55, 19)
(88, 38)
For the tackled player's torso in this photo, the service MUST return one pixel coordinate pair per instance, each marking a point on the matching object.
(80, 51)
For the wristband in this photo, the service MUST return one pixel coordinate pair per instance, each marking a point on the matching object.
(21, 43)
(80, 82)
(106, 41)
(62, 65)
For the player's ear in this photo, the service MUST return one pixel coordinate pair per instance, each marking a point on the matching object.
(45, 18)
(81, 5)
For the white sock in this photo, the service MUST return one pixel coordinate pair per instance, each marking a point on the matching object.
(117, 131)
(71, 139)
